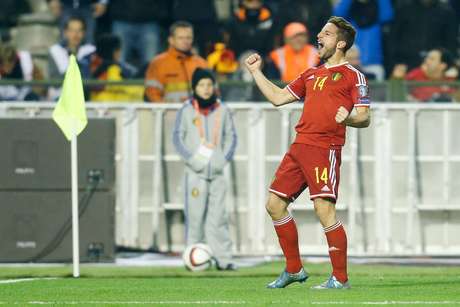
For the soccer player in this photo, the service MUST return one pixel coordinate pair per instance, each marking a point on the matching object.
(329, 92)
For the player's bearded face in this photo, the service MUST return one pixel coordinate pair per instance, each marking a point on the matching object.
(325, 52)
(327, 41)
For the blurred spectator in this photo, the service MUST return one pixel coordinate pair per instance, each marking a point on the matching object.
(437, 66)
(296, 55)
(168, 76)
(202, 15)
(242, 73)
(368, 16)
(222, 61)
(251, 28)
(107, 65)
(74, 32)
(310, 13)
(58, 58)
(86, 9)
(353, 57)
(419, 26)
(138, 24)
(10, 10)
(18, 65)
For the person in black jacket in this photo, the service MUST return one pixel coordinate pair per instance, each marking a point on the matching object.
(139, 25)
(252, 28)
(419, 26)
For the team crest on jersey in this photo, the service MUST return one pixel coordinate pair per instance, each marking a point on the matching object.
(336, 76)
(363, 90)
(195, 192)
(196, 121)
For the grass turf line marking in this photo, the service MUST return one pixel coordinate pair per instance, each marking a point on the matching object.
(390, 303)
(227, 303)
(13, 281)
(130, 302)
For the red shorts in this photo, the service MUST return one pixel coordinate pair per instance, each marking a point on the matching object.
(308, 166)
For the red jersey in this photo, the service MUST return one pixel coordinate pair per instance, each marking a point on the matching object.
(324, 90)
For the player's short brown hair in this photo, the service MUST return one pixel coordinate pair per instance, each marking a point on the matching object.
(346, 31)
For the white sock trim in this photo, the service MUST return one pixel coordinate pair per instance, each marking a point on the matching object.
(333, 227)
(283, 221)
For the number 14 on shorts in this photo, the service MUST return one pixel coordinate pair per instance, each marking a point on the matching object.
(321, 175)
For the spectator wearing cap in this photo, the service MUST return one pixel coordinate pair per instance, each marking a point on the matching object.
(296, 55)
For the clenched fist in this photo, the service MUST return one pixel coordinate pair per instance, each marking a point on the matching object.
(253, 62)
(341, 115)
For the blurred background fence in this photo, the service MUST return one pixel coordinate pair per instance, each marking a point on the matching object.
(399, 191)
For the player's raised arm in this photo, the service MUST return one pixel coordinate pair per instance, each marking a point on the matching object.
(276, 95)
(361, 119)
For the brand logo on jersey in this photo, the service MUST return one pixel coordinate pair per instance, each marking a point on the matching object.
(311, 77)
(336, 76)
(325, 189)
(333, 249)
(195, 192)
(363, 90)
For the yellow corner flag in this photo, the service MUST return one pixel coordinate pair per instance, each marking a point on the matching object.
(70, 113)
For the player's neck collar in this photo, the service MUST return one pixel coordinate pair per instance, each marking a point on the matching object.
(331, 66)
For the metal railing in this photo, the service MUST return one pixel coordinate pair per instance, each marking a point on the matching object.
(386, 91)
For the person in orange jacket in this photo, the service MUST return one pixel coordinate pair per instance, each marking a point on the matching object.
(168, 75)
(296, 55)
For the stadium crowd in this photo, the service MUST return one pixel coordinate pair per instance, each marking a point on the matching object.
(163, 41)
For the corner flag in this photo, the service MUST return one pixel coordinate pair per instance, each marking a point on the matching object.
(70, 113)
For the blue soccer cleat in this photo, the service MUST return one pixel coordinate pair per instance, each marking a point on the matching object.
(332, 283)
(286, 279)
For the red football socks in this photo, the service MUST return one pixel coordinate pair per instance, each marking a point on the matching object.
(337, 241)
(286, 230)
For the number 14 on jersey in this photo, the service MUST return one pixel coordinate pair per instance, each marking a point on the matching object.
(319, 83)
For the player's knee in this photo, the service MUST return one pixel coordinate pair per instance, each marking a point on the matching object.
(325, 210)
(276, 206)
(272, 208)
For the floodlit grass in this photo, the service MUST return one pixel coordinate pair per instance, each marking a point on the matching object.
(121, 286)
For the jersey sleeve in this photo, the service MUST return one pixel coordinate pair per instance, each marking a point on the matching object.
(360, 90)
(297, 87)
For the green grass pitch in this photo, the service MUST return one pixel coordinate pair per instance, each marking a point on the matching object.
(122, 286)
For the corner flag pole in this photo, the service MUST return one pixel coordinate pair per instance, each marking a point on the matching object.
(75, 226)
(70, 115)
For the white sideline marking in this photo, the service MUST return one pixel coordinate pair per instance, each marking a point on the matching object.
(390, 303)
(226, 303)
(13, 281)
(131, 302)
